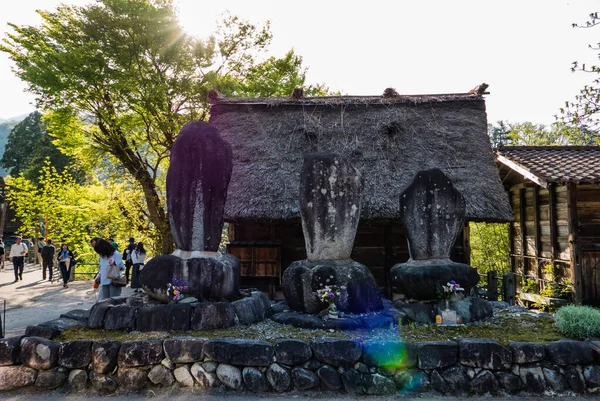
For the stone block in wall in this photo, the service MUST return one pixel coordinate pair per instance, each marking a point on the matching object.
(304, 379)
(390, 354)
(50, 379)
(204, 378)
(75, 354)
(592, 376)
(595, 346)
(438, 383)
(509, 381)
(278, 377)
(132, 378)
(240, 352)
(97, 315)
(184, 349)
(417, 312)
(161, 375)
(52, 328)
(103, 383)
(10, 349)
(104, 356)
(77, 314)
(456, 378)
(437, 354)
(555, 380)
(484, 382)
(377, 384)
(533, 379)
(336, 352)
(299, 320)
(212, 315)
(484, 353)
(330, 377)
(15, 377)
(353, 381)
(411, 380)
(249, 310)
(77, 380)
(255, 380)
(230, 376)
(39, 353)
(524, 352)
(141, 353)
(292, 352)
(183, 376)
(569, 352)
(120, 317)
(575, 379)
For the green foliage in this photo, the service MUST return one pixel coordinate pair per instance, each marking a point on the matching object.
(529, 134)
(5, 128)
(490, 247)
(75, 212)
(121, 77)
(29, 145)
(530, 286)
(578, 322)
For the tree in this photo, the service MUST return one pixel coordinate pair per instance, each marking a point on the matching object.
(499, 134)
(529, 134)
(585, 110)
(28, 145)
(122, 77)
(490, 247)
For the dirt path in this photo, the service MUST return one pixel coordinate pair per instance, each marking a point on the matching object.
(33, 301)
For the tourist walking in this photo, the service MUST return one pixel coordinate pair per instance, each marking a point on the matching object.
(127, 253)
(2, 251)
(39, 246)
(138, 256)
(47, 253)
(17, 255)
(108, 256)
(65, 262)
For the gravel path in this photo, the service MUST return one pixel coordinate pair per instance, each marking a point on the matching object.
(33, 301)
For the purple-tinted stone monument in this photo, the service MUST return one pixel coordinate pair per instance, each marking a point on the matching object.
(330, 203)
(197, 181)
(433, 214)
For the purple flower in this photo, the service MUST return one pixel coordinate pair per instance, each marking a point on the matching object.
(331, 295)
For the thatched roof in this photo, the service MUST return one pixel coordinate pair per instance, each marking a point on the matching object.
(388, 139)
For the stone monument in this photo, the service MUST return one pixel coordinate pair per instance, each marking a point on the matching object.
(197, 181)
(330, 204)
(433, 214)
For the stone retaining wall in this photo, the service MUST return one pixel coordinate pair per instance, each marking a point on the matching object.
(375, 367)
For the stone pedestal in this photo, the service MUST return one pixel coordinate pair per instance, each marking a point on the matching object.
(215, 278)
(359, 292)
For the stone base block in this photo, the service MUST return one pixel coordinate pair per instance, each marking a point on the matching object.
(208, 278)
(422, 280)
(359, 292)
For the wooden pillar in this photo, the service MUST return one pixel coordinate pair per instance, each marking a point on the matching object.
(522, 216)
(553, 220)
(492, 281)
(575, 268)
(511, 234)
(536, 231)
(467, 244)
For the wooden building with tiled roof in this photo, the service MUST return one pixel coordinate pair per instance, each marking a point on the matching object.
(554, 192)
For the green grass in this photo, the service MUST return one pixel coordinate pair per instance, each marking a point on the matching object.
(502, 328)
(579, 322)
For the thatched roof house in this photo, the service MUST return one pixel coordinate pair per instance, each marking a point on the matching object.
(388, 139)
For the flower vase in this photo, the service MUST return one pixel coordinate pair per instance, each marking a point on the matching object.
(447, 304)
(333, 314)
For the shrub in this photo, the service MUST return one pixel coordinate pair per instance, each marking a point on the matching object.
(578, 321)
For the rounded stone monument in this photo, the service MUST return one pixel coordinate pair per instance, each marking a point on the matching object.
(197, 181)
(330, 204)
(433, 214)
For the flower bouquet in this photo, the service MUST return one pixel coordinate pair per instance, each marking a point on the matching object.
(328, 294)
(176, 288)
(448, 290)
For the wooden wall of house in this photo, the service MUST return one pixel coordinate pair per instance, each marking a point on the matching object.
(587, 241)
(377, 245)
(540, 232)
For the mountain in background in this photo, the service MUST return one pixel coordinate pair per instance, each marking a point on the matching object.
(6, 125)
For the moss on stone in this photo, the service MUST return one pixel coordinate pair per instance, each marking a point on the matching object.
(502, 328)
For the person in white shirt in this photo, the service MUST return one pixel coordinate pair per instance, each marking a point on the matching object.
(138, 256)
(108, 254)
(17, 255)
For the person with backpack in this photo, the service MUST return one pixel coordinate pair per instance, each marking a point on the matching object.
(47, 253)
(137, 259)
(65, 262)
(39, 246)
(108, 257)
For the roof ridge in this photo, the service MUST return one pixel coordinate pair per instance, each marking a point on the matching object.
(546, 147)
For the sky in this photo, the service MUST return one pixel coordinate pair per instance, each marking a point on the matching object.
(522, 48)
